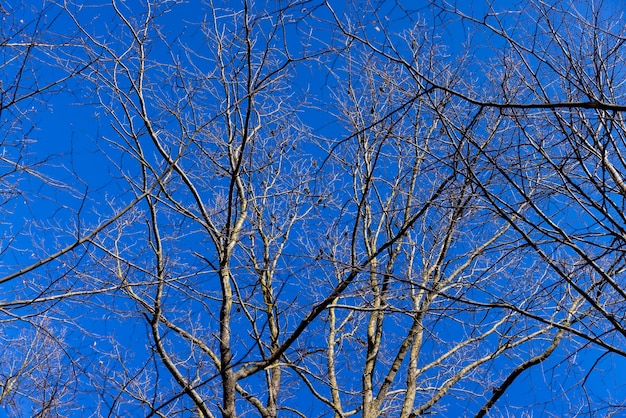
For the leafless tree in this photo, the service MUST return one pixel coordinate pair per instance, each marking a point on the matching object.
(306, 209)
(541, 127)
(37, 373)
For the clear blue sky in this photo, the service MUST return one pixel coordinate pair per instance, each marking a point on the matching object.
(78, 168)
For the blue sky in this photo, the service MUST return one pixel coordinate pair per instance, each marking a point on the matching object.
(337, 125)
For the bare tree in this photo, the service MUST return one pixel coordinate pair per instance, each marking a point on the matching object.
(297, 208)
(541, 131)
(38, 374)
(423, 324)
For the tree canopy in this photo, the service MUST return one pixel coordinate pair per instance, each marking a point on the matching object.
(312, 208)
